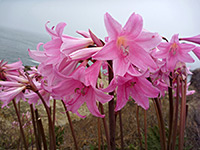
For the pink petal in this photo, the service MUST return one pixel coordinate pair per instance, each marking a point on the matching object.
(91, 104)
(101, 96)
(70, 45)
(95, 39)
(163, 50)
(186, 47)
(92, 73)
(59, 28)
(196, 51)
(194, 39)
(108, 52)
(84, 34)
(84, 53)
(140, 58)
(171, 63)
(133, 26)
(146, 88)
(140, 99)
(120, 66)
(122, 97)
(148, 40)
(14, 66)
(185, 57)
(10, 83)
(39, 56)
(175, 39)
(112, 26)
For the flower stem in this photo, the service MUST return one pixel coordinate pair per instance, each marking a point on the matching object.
(34, 128)
(182, 114)
(105, 127)
(99, 134)
(175, 115)
(111, 107)
(171, 111)
(51, 128)
(54, 112)
(41, 130)
(160, 123)
(138, 126)
(71, 126)
(38, 130)
(20, 124)
(145, 128)
(121, 130)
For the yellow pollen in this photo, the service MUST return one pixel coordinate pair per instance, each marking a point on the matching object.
(173, 48)
(121, 41)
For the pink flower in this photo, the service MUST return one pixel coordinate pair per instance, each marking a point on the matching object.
(10, 69)
(175, 52)
(196, 51)
(12, 89)
(139, 88)
(80, 87)
(194, 39)
(128, 45)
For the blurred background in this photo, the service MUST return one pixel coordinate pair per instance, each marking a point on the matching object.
(22, 21)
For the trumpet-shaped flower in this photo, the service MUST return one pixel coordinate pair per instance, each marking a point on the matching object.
(13, 88)
(139, 88)
(194, 39)
(175, 52)
(80, 87)
(10, 69)
(128, 45)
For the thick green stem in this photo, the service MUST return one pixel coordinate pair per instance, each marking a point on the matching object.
(20, 125)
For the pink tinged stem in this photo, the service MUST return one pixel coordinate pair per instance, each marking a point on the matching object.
(41, 130)
(171, 110)
(111, 108)
(175, 125)
(145, 128)
(38, 128)
(51, 128)
(20, 124)
(71, 126)
(99, 134)
(182, 114)
(34, 128)
(138, 126)
(160, 123)
(105, 127)
(54, 112)
(121, 130)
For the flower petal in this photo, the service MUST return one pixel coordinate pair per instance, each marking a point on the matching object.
(112, 26)
(133, 26)
(108, 52)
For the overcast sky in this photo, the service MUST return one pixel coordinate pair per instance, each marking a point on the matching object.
(165, 17)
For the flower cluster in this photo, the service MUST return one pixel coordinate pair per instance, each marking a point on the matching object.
(70, 67)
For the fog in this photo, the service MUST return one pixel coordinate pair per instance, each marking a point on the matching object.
(165, 17)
